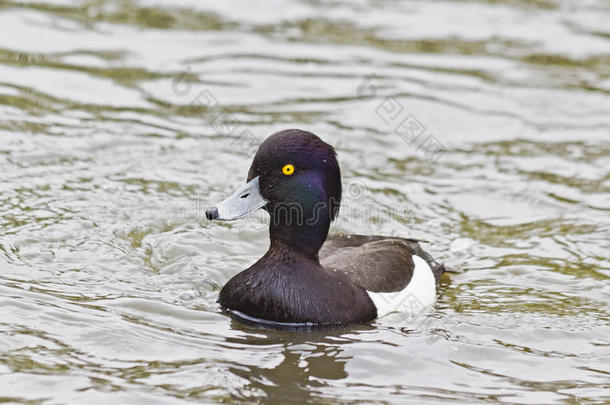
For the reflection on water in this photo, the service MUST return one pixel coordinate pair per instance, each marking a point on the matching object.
(109, 154)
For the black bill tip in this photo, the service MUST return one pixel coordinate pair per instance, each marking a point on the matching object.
(211, 213)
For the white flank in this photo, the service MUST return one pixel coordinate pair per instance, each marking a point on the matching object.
(417, 295)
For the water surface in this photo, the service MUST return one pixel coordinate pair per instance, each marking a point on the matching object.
(120, 122)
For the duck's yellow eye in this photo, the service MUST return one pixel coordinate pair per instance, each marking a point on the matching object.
(288, 170)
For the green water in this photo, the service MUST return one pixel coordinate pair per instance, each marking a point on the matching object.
(120, 122)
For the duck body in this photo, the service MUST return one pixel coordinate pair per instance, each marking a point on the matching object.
(306, 277)
(397, 273)
(286, 287)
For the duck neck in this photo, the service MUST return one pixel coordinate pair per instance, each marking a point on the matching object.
(303, 231)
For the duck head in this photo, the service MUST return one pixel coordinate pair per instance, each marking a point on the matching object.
(296, 178)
